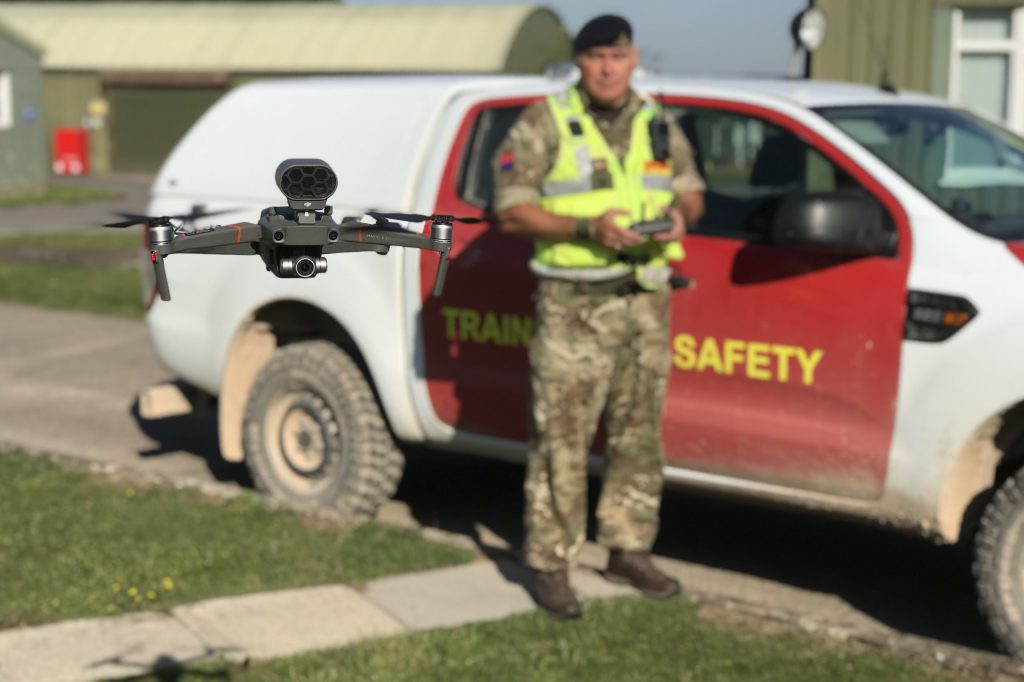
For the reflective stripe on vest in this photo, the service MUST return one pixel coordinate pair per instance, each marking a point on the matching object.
(639, 185)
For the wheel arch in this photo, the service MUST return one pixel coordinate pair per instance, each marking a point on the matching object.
(993, 453)
(252, 345)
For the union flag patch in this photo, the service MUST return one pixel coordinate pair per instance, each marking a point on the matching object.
(506, 161)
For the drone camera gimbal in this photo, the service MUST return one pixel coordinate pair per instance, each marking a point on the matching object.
(293, 240)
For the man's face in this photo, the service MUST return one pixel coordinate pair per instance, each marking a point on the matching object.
(605, 72)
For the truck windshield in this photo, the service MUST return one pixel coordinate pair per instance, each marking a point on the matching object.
(973, 169)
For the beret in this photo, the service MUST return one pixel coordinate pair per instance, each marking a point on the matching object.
(605, 30)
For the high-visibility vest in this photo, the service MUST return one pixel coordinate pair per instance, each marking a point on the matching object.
(640, 184)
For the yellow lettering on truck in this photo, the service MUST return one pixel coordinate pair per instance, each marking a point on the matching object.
(757, 360)
(487, 327)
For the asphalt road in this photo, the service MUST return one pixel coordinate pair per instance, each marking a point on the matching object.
(131, 195)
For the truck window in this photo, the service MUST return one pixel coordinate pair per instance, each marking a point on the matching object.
(749, 165)
(971, 168)
(476, 175)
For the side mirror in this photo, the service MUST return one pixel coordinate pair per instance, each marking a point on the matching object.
(851, 223)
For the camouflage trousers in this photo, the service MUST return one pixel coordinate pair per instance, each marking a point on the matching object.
(595, 352)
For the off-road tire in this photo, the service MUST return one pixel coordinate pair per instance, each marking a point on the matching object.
(999, 565)
(314, 434)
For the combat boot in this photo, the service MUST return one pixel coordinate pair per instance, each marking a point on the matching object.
(552, 591)
(637, 569)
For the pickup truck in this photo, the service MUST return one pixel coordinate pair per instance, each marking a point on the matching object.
(852, 343)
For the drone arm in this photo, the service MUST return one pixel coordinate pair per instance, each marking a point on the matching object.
(343, 246)
(393, 236)
(385, 236)
(235, 238)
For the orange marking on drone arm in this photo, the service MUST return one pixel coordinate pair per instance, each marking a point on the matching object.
(238, 233)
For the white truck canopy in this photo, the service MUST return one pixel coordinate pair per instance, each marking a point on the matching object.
(367, 128)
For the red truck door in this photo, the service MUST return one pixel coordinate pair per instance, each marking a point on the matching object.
(477, 332)
(785, 359)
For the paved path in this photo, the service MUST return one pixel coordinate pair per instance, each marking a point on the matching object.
(67, 386)
(269, 625)
(131, 195)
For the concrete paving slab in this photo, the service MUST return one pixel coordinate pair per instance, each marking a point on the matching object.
(477, 592)
(480, 591)
(274, 624)
(98, 648)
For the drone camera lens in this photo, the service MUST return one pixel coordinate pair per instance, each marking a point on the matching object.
(305, 267)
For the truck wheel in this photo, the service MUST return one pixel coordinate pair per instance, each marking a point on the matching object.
(314, 435)
(999, 565)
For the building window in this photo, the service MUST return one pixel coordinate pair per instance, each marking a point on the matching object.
(6, 101)
(987, 63)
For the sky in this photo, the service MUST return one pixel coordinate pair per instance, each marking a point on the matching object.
(683, 37)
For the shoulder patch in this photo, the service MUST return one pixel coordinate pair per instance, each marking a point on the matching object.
(507, 161)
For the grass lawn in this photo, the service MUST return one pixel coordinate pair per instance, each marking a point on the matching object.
(619, 640)
(94, 289)
(78, 284)
(57, 194)
(74, 545)
(104, 239)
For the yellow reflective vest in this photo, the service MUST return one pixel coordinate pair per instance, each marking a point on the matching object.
(639, 184)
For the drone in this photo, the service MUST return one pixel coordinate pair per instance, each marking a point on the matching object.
(292, 240)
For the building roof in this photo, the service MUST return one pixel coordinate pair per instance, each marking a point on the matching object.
(288, 37)
(12, 36)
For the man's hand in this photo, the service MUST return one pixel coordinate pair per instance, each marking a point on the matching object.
(678, 230)
(606, 231)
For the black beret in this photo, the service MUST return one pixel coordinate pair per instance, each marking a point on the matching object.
(605, 30)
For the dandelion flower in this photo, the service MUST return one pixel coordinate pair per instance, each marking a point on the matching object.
(151, 595)
(167, 584)
(133, 591)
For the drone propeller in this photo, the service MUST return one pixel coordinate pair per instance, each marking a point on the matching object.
(139, 219)
(420, 218)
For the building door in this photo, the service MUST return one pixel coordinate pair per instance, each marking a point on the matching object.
(146, 121)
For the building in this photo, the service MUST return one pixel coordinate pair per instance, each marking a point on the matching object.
(137, 75)
(23, 161)
(968, 51)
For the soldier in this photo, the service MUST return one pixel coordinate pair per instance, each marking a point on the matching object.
(573, 172)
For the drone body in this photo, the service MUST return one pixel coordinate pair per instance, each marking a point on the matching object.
(293, 240)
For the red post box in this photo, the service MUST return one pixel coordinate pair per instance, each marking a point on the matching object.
(70, 151)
